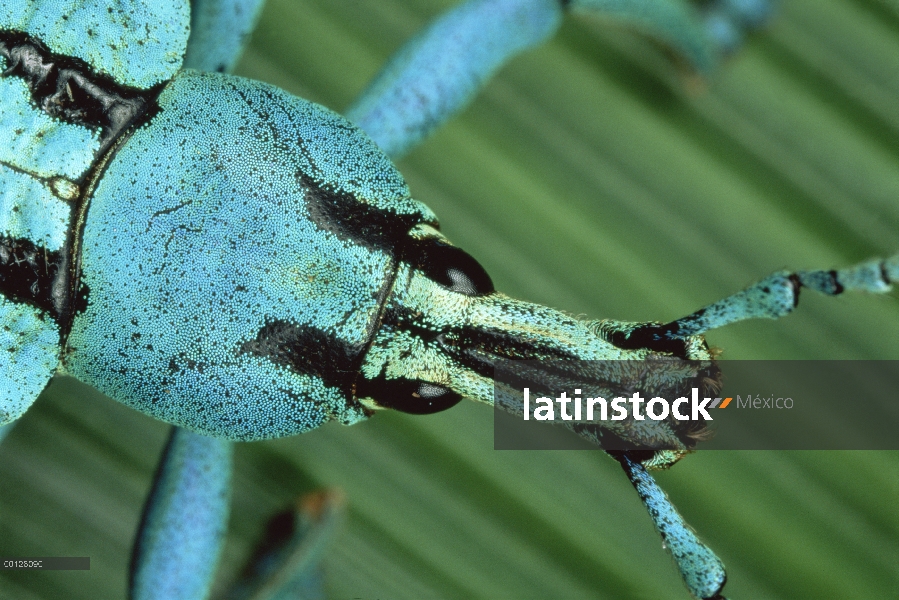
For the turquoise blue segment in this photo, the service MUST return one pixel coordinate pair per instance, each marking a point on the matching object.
(29, 355)
(36, 142)
(185, 520)
(702, 571)
(40, 160)
(138, 43)
(29, 210)
(200, 245)
(218, 31)
(439, 71)
(778, 294)
(675, 22)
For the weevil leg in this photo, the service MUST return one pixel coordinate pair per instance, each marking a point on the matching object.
(728, 21)
(701, 569)
(218, 31)
(436, 74)
(677, 24)
(286, 563)
(773, 297)
(185, 519)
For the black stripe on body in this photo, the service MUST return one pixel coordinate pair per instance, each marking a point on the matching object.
(67, 89)
(352, 220)
(35, 276)
(307, 350)
(30, 274)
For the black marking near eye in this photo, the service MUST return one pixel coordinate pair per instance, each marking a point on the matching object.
(68, 89)
(353, 220)
(451, 267)
(408, 396)
(309, 351)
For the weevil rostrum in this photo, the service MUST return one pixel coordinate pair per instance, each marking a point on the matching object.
(260, 345)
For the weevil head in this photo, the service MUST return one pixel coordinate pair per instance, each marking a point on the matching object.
(445, 332)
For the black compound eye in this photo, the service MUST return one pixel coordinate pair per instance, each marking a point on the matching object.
(413, 397)
(452, 268)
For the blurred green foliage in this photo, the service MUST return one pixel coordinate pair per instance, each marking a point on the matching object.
(592, 177)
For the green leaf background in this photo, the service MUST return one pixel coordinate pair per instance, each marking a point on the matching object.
(592, 177)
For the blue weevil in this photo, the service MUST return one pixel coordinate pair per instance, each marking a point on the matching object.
(247, 265)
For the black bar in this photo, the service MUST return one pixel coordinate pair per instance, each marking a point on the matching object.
(46, 563)
(775, 404)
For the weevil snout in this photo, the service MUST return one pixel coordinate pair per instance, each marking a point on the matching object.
(445, 333)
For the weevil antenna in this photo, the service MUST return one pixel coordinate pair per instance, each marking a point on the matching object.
(772, 298)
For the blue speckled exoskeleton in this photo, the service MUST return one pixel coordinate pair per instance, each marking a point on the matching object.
(245, 264)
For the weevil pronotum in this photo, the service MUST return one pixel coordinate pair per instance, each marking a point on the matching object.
(561, 227)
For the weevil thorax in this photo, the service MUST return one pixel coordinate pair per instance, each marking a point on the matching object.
(238, 250)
